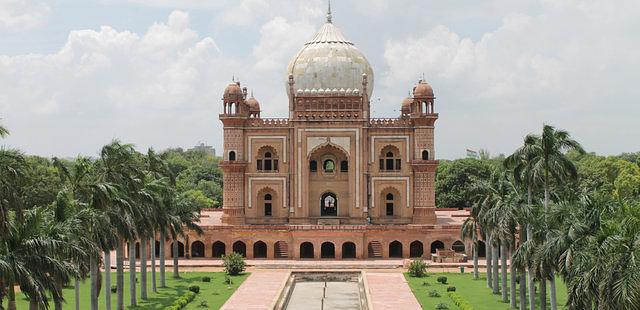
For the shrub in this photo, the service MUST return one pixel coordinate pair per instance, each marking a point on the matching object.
(203, 304)
(459, 301)
(434, 293)
(442, 279)
(451, 289)
(183, 300)
(234, 264)
(194, 288)
(227, 280)
(206, 279)
(442, 306)
(418, 268)
(114, 289)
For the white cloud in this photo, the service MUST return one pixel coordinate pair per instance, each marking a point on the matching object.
(551, 67)
(22, 14)
(107, 83)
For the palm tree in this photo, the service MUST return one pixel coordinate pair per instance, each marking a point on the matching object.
(119, 165)
(470, 230)
(549, 158)
(521, 162)
(89, 198)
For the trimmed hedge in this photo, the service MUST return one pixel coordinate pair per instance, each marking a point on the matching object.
(182, 301)
(459, 301)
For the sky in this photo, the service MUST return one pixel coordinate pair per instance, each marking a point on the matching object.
(75, 75)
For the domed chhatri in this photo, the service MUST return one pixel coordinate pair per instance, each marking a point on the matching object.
(233, 92)
(329, 61)
(254, 105)
(423, 90)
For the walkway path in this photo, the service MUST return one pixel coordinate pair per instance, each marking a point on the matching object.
(390, 291)
(260, 291)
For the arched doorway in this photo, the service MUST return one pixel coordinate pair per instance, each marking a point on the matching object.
(395, 249)
(328, 204)
(137, 250)
(458, 247)
(197, 249)
(327, 250)
(218, 248)
(180, 249)
(348, 250)
(306, 250)
(416, 249)
(259, 250)
(436, 245)
(157, 248)
(482, 249)
(240, 248)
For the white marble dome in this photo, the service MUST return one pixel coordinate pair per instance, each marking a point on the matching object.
(329, 61)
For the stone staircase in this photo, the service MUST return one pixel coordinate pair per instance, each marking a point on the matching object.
(281, 250)
(375, 249)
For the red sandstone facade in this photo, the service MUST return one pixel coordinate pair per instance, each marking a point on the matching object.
(328, 181)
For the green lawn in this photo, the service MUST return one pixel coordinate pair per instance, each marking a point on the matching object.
(474, 291)
(215, 293)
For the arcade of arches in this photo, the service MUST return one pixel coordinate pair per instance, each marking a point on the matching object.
(314, 248)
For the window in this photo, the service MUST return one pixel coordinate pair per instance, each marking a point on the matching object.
(313, 166)
(266, 161)
(389, 161)
(344, 166)
(389, 204)
(329, 166)
(425, 155)
(267, 205)
(232, 155)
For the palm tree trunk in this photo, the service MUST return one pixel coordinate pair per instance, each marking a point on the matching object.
(143, 268)
(120, 275)
(11, 296)
(76, 289)
(552, 280)
(503, 271)
(496, 273)
(93, 279)
(33, 305)
(513, 289)
(543, 294)
(475, 260)
(489, 260)
(163, 238)
(523, 290)
(176, 275)
(107, 280)
(132, 273)
(532, 286)
(153, 265)
(552, 292)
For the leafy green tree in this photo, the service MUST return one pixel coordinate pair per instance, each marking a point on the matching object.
(455, 181)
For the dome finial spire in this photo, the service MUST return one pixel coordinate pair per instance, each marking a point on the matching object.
(329, 13)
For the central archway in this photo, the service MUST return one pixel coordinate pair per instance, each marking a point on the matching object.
(416, 249)
(348, 250)
(395, 249)
(197, 249)
(327, 250)
(328, 204)
(218, 249)
(240, 248)
(259, 250)
(306, 250)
